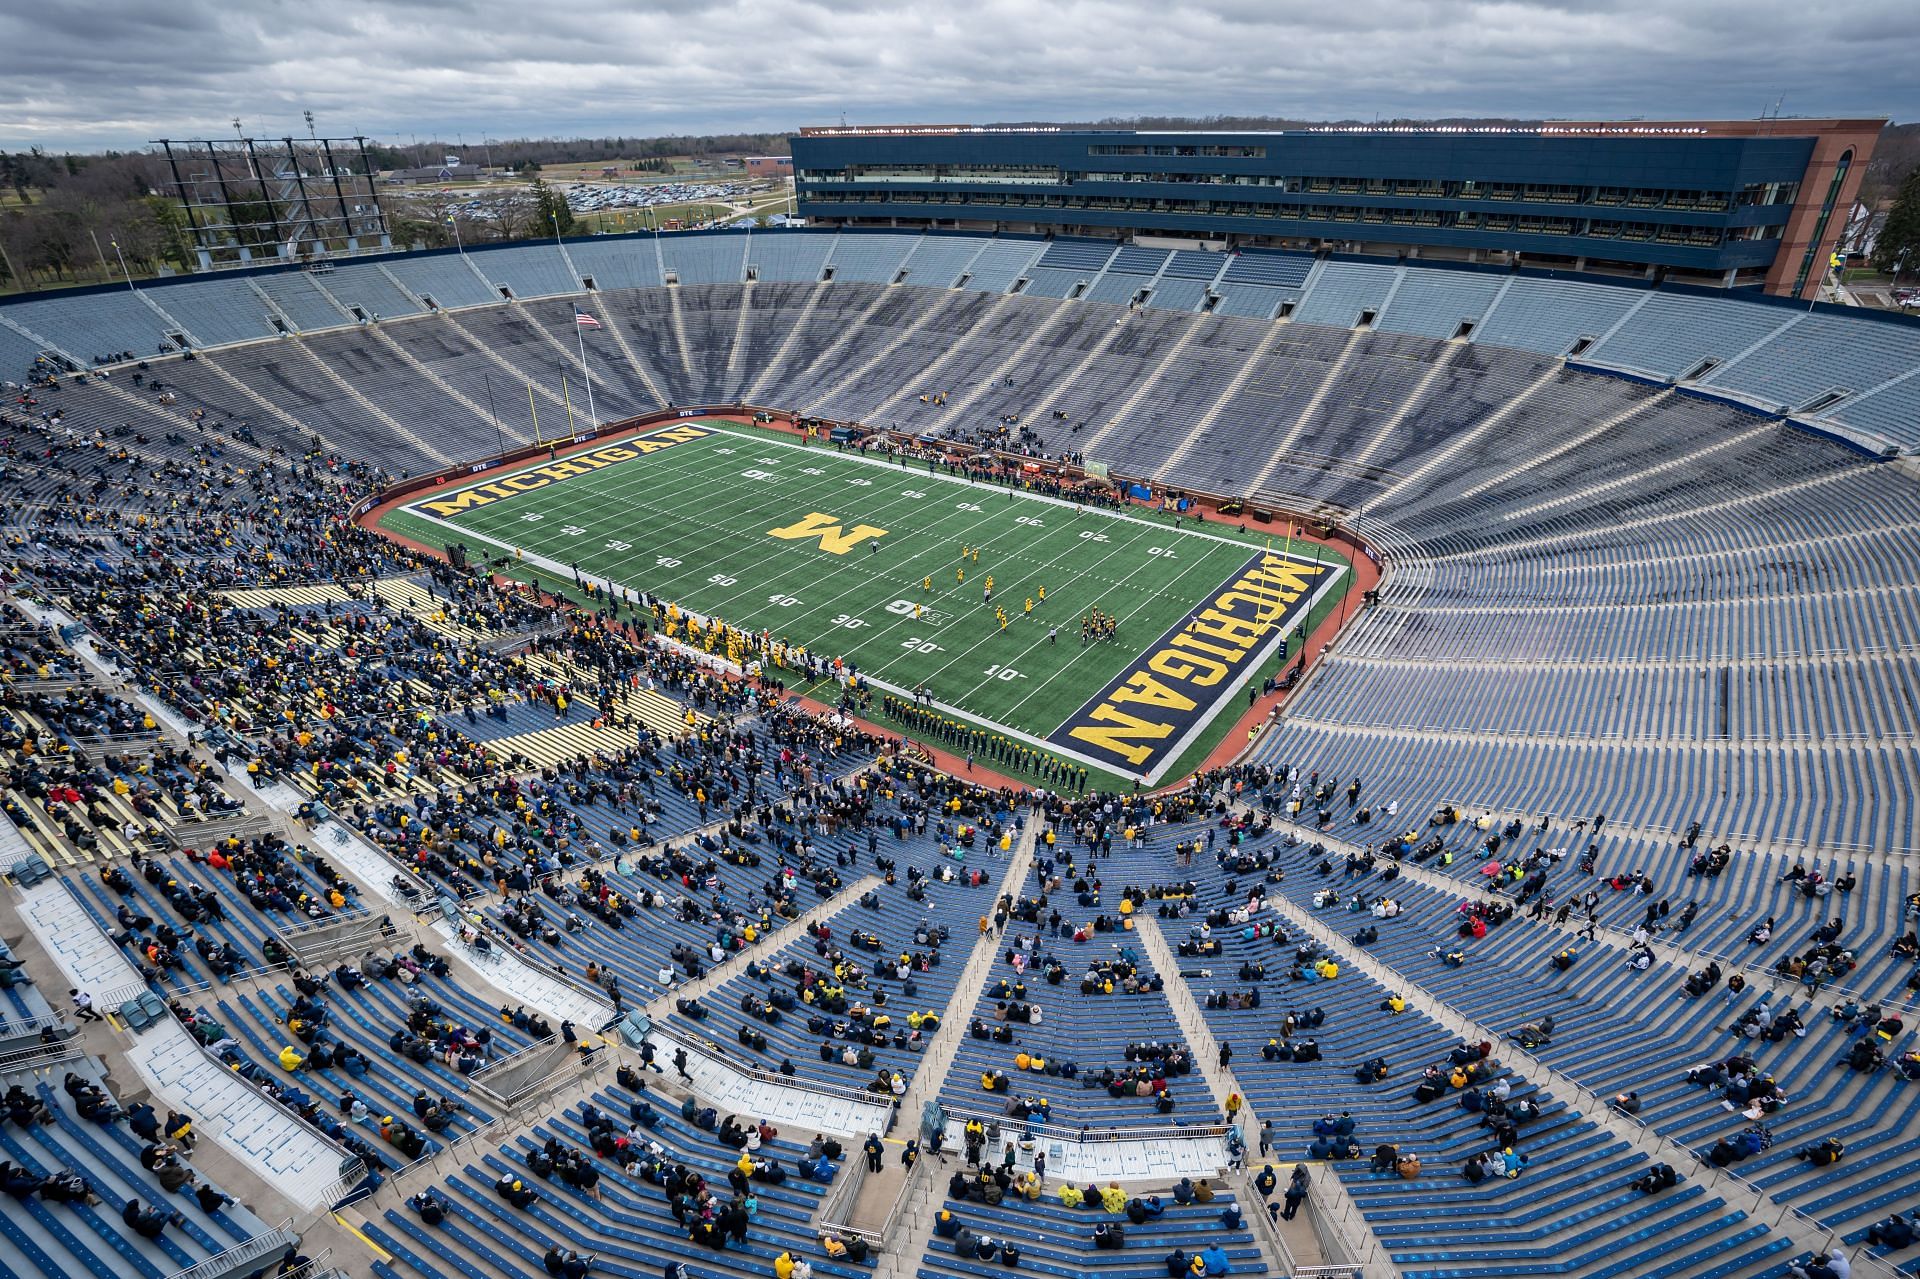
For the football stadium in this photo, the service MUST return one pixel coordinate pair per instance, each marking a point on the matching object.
(1364, 724)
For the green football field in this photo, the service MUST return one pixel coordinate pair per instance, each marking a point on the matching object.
(861, 557)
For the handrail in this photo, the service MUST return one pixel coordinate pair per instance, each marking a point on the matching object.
(879, 1240)
(343, 1184)
(841, 1194)
(320, 1267)
(511, 1059)
(908, 1188)
(41, 1055)
(256, 1248)
(12, 1028)
(1331, 1227)
(356, 912)
(433, 1157)
(549, 1082)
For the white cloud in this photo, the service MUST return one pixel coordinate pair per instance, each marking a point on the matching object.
(113, 72)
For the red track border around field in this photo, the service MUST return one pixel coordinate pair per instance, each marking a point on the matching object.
(1232, 743)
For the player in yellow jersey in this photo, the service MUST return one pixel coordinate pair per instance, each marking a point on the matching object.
(960, 574)
(926, 583)
(916, 612)
(1043, 594)
(1029, 606)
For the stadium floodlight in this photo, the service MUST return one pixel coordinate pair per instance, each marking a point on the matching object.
(249, 200)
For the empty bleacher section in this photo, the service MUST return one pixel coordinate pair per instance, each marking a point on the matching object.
(894, 346)
(617, 263)
(1436, 304)
(219, 311)
(1889, 410)
(295, 296)
(1087, 256)
(1820, 353)
(1549, 316)
(530, 270)
(1343, 291)
(1186, 264)
(1257, 301)
(90, 326)
(366, 286)
(1171, 294)
(17, 353)
(1001, 262)
(874, 258)
(445, 279)
(797, 257)
(938, 261)
(1271, 270)
(1671, 334)
(1050, 282)
(705, 259)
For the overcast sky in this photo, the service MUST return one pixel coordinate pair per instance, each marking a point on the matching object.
(83, 74)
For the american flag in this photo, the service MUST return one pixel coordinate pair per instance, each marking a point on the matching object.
(584, 320)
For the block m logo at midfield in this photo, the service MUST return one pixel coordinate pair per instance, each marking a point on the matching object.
(834, 537)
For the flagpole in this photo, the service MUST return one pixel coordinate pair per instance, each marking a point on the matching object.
(535, 409)
(581, 337)
(499, 439)
(567, 399)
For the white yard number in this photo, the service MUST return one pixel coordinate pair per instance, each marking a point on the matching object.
(1162, 550)
(1090, 536)
(756, 473)
(533, 517)
(965, 506)
(1003, 672)
(851, 623)
(811, 470)
(618, 545)
(914, 643)
(903, 607)
(914, 493)
(860, 483)
(666, 561)
(767, 461)
(723, 452)
(572, 530)
(1029, 519)
(721, 579)
(784, 601)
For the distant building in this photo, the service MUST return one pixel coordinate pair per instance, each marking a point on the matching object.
(769, 166)
(433, 173)
(1739, 203)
